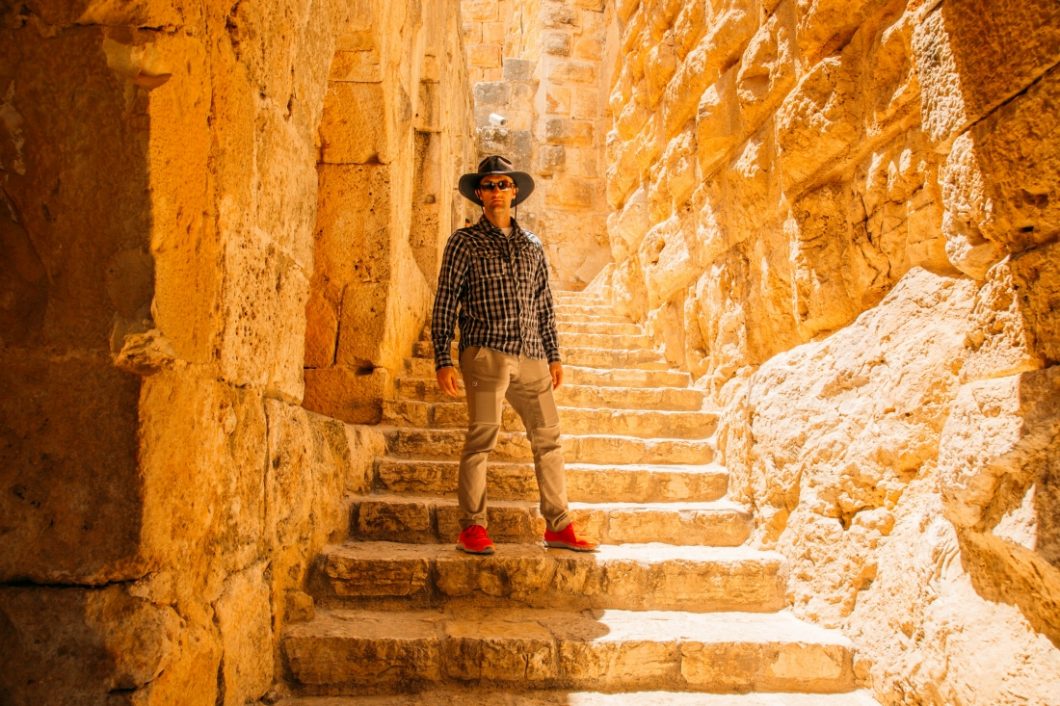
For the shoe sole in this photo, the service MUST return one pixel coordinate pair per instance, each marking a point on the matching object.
(573, 548)
(487, 550)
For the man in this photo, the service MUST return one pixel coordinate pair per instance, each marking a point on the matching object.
(494, 280)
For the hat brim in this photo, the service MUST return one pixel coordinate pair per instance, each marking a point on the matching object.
(469, 182)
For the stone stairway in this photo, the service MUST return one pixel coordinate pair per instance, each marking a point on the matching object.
(673, 609)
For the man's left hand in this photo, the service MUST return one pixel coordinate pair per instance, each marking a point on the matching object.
(556, 370)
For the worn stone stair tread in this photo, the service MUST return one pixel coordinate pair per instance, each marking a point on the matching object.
(647, 553)
(601, 649)
(671, 398)
(631, 577)
(676, 507)
(584, 448)
(585, 481)
(443, 696)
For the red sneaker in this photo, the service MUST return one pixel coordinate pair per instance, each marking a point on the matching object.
(566, 539)
(474, 540)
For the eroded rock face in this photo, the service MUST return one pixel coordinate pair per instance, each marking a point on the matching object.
(186, 229)
(840, 217)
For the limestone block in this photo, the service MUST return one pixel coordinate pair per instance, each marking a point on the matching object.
(719, 317)
(767, 68)
(204, 509)
(1001, 342)
(501, 650)
(85, 643)
(314, 463)
(995, 444)
(244, 619)
(631, 119)
(729, 35)
(819, 121)
(64, 226)
(1014, 152)
(666, 262)
(820, 234)
(627, 228)
(557, 43)
(562, 131)
(717, 122)
(557, 100)
(659, 68)
(689, 27)
(586, 105)
(265, 297)
(493, 33)
(518, 69)
(866, 434)
(826, 24)
(626, 8)
(573, 72)
(963, 192)
(356, 67)
(982, 649)
(486, 56)
(894, 89)
(141, 13)
(479, 10)
(1036, 274)
(589, 48)
(354, 128)
(968, 66)
(558, 15)
(572, 193)
(71, 498)
(349, 394)
(671, 190)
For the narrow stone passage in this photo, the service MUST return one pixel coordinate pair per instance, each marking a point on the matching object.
(673, 609)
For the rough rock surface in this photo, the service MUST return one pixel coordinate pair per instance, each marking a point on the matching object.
(184, 190)
(841, 217)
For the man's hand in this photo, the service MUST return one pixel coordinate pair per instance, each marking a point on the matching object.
(556, 370)
(447, 380)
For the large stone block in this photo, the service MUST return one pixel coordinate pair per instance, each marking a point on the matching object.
(78, 646)
(244, 620)
(354, 129)
(819, 121)
(970, 59)
(72, 495)
(865, 434)
(349, 394)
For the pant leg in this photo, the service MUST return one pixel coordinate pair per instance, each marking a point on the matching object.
(486, 378)
(530, 394)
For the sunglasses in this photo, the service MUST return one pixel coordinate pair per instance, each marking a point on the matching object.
(496, 186)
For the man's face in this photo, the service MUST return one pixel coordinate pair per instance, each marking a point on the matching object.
(497, 191)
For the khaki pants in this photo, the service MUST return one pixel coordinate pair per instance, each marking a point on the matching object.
(489, 378)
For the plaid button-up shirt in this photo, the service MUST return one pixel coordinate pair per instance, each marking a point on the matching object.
(497, 287)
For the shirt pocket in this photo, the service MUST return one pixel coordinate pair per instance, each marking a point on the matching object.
(490, 268)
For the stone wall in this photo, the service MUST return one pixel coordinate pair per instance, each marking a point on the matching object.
(171, 174)
(544, 67)
(842, 217)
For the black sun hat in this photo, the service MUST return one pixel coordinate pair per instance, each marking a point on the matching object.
(495, 164)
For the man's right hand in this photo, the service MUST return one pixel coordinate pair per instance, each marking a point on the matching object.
(447, 380)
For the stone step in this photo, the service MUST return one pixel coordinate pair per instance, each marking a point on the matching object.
(642, 359)
(637, 341)
(427, 519)
(628, 577)
(585, 482)
(425, 389)
(565, 311)
(622, 377)
(575, 326)
(586, 448)
(574, 420)
(605, 376)
(609, 650)
(449, 696)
